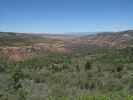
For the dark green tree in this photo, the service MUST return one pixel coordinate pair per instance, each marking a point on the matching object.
(88, 65)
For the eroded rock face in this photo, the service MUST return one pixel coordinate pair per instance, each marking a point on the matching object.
(17, 53)
(25, 52)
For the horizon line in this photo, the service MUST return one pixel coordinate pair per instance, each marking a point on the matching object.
(62, 32)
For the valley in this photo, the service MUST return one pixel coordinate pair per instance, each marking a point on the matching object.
(60, 67)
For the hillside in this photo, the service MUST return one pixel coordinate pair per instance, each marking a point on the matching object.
(20, 46)
(109, 39)
(18, 39)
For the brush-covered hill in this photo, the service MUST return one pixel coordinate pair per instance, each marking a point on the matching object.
(108, 39)
(18, 39)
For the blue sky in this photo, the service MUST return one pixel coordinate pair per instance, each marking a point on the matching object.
(66, 15)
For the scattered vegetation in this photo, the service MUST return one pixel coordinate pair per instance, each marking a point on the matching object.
(87, 73)
(106, 72)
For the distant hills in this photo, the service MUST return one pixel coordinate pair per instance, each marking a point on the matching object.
(21, 45)
(105, 39)
(18, 39)
(110, 39)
